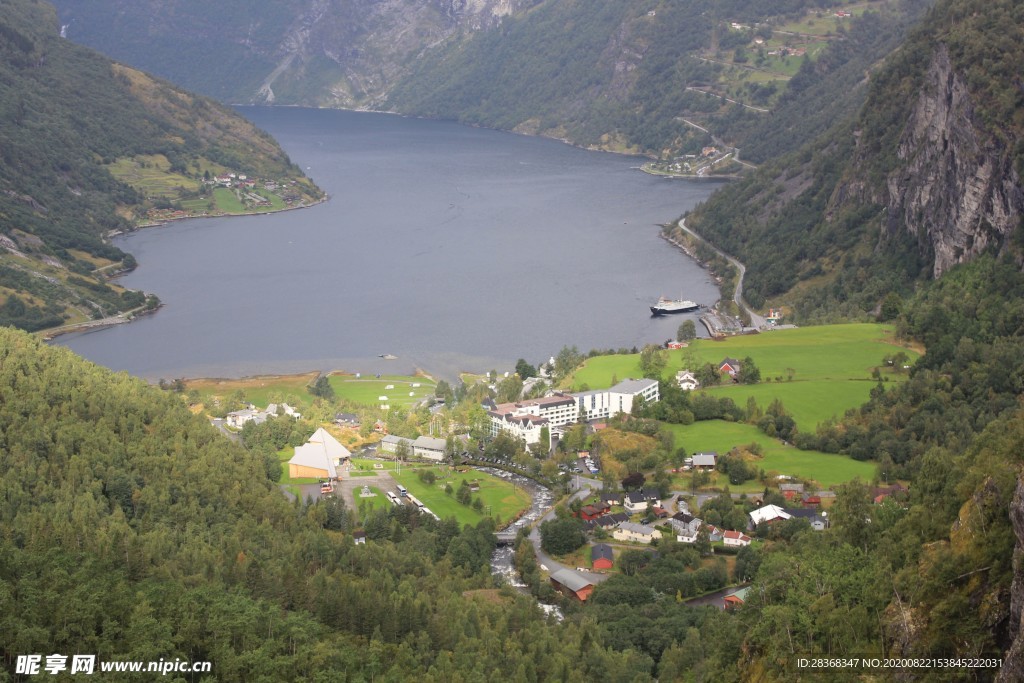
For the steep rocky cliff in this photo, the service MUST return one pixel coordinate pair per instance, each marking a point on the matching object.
(369, 47)
(955, 187)
(344, 53)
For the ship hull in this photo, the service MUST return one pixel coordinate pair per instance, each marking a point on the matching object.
(669, 310)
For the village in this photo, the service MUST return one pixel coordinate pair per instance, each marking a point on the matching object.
(615, 519)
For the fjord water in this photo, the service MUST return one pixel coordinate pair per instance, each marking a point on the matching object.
(453, 248)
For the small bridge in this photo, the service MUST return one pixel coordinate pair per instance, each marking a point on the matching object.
(505, 537)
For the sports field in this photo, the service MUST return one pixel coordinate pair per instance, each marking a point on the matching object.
(367, 390)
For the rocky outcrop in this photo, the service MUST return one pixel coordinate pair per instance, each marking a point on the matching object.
(1013, 664)
(955, 187)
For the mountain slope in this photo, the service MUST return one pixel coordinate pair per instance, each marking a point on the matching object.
(926, 175)
(617, 75)
(337, 53)
(69, 119)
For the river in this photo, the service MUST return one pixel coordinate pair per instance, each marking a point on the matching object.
(541, 499)
(453, 248)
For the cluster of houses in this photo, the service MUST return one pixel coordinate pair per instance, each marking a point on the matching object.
(321, 457)
(237, 418)
(687, 381)
(528, 419)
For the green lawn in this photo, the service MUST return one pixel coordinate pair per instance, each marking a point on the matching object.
(505, 501)
(367, 389)
(380, 500)
(831, 367)
(717, 435)
(290, 389)
(284, 455)
(226, 200)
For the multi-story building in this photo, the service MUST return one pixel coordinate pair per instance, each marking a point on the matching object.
(605, 403)
(526, 419)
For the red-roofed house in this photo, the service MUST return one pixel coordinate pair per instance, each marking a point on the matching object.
(735, 538)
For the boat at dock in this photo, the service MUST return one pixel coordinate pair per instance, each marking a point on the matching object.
(667, 306)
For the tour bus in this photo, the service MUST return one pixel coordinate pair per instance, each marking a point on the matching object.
(403, 491)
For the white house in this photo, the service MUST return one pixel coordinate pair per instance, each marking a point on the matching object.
(766, 514)
(736, 538)
(526, 427)
(389, 444)
(686, 380)
(287, 409)
(686, 526)
(639, 533)
(237, 418)
(429, 448)
(638, 501)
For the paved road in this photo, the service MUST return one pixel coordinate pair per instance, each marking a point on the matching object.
(545, 559)
(755, 319)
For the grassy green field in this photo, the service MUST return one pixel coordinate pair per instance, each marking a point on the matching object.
(284, 455)
(717, 435)
(830, 365)
(379, 500)
(367, 389)
(226, 200)
(505, 500)
(290, 389)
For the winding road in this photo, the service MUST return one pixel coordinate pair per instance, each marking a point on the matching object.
(755, 319)
(587, 488)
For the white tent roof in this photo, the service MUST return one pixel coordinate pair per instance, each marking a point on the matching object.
(313, 455)
(335, 451)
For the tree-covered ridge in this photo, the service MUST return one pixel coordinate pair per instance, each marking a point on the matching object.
(609, 74)
(134, 530)
(66, 115)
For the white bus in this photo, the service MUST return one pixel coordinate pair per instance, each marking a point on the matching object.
(403, 491)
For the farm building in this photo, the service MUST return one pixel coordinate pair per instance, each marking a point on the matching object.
(571, 584)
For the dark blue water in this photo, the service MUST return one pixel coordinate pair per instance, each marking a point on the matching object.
(451, 247)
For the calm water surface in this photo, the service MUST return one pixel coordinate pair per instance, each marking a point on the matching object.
(450, 247)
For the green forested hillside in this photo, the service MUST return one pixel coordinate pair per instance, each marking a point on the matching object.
(134, 530)
(67, 116)
(620, 75)
(612, 73)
